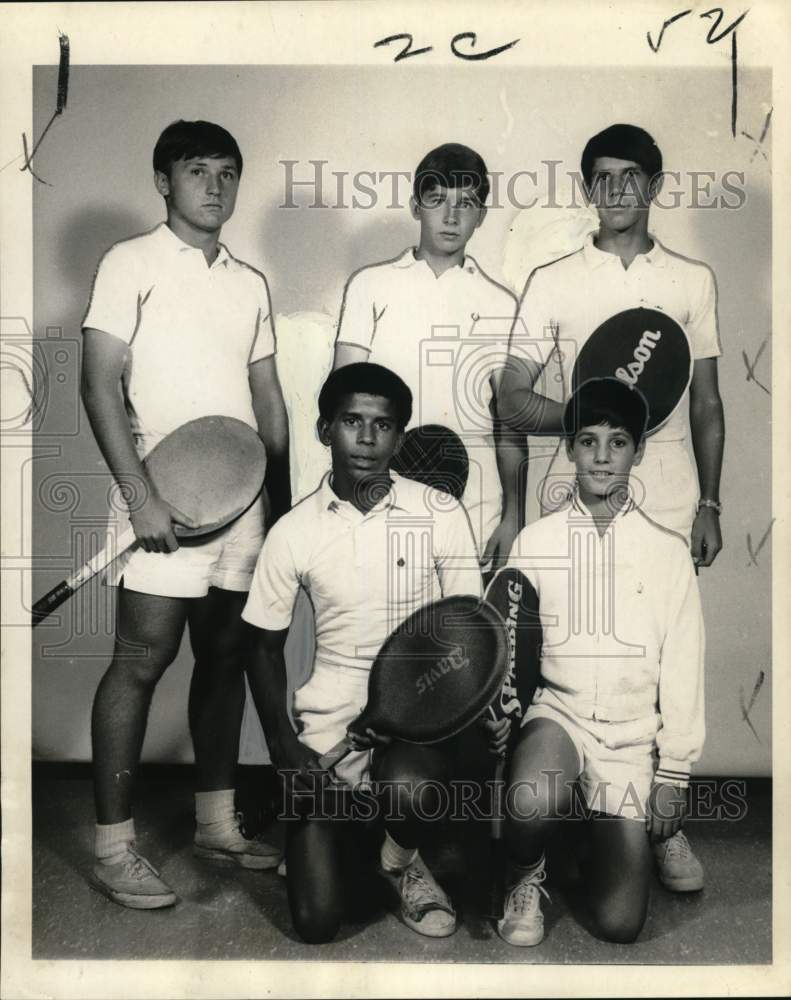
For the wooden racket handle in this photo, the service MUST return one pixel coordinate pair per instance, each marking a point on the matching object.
(336, 754)
(63, 591)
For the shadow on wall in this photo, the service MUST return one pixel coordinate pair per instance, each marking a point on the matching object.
(82, 242)
(317, 250)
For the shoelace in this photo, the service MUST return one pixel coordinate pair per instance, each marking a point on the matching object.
(678, 847)
(258, 838)
(415, 882)
(139, 867)
(523, 893)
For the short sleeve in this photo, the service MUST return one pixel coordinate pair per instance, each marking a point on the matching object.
(455, 554)
(357, 323)
(264, 342)
(534, 334)
(276, 581)
(702, 327)
(114, 306)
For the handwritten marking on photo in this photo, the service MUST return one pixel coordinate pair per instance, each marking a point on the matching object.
(754, 552)
(747, 708)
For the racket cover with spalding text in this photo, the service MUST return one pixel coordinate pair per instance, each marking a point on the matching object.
(514, 597)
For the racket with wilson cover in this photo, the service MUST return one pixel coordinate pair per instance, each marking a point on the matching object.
(647, 350)
(434, 675)
(211, 469)
(513, 596)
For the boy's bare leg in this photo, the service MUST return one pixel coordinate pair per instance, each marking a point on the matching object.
(544, 768)
(220, 644)
(216, 701)
(148, 634)
(620, 875)
(315, 878)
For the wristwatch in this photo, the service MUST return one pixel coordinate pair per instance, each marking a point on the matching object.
(715, 505)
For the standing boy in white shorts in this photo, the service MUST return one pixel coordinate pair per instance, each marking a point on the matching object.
(369, 548)
(621, 677)
(433, 316)
(177, 329)
(624, 266)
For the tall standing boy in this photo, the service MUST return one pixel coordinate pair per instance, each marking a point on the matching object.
(177, 329)
(624, 266)
(437, 319)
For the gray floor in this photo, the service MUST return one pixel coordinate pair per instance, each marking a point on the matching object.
(231, 914)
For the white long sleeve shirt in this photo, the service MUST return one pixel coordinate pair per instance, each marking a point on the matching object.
(623, 627)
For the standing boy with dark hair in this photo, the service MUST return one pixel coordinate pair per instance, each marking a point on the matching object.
(177, 329)
(433, 316)
(338, 545)
(624, 266)
(615, 687)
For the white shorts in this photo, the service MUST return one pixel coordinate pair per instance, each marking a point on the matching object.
(616, 759)
(323, 708)
(225, 560)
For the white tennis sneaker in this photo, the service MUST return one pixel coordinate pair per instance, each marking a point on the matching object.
(234, 848)
(132, 881)
(522, 923)
(677, 867)
(425, 908)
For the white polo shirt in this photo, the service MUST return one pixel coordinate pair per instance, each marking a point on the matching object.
(364, 573)
(564, 302)
(446, 337)
(192, 330)
(623, 626)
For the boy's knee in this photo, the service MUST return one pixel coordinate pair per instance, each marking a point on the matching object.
(145, 671)
(619, 927)
(316, 924)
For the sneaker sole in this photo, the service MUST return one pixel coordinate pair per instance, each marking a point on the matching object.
(522, 942)
(251, 861)
(691, 884)
(130, 900)
(420, 928)
(414, 925)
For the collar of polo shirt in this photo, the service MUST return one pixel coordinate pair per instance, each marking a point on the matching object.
(594, 257)
(580, 508)
(398, 498)
(173, 242)
(408, 259)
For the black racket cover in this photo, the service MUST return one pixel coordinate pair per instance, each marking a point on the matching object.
(435, 456)
(646, 349)
(437, 672)
(512, 595)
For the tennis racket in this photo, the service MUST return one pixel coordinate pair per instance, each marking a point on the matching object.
(435, 456)
(434, 675)
(646, 349)
(512, 595)
(210, 469)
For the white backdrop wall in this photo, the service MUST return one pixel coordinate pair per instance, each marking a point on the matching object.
(97, 159)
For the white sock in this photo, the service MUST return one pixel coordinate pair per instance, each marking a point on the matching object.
(215, 812)
(392, 856)
(112, 840)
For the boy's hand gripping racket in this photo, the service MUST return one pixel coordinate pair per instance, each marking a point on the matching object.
(512, 595)
(434, 675)
(211, 469)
